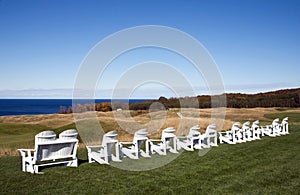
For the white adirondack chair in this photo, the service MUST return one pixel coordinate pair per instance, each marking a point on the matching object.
(164, 145)
(230, 136)
(256, 129)
(49, 151)
(240, 135)
(272, 130)
(285, 126)
(248, 134)
(104, 153)
(191, 141)
(209, 138)
(276, 127)
(135, 150)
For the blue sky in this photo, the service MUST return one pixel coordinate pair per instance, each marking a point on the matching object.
(256, 44)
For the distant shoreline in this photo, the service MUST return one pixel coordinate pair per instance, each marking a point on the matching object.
(12, 107)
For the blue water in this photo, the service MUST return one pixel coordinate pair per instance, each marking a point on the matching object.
(42, 106)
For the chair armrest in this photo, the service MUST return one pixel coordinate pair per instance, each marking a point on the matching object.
(225, 133)
(98, 146)
(201, 136)
(26, 152)
(126, 142)
(266, 127)
(89, 148)
(181, 137)
(154, 140)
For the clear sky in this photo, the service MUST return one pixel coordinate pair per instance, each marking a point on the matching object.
(255, 43)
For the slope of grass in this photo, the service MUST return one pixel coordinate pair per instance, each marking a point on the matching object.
(294, 117)
(13, 136)
(267, 166)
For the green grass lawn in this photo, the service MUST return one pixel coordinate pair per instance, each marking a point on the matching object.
(267, 166)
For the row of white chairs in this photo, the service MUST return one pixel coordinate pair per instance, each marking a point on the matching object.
(50, 150)
(246, 133)
(141, 146)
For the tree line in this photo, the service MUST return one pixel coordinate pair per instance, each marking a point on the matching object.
(281, 98)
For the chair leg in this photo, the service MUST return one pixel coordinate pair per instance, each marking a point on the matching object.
(29, 167)
(73, 163)
(90, 159)
(117, 155)
(23, 165)
(147, 148)
(221, 140)
(35, 169)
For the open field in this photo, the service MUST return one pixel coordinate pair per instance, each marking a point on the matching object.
(266, 166)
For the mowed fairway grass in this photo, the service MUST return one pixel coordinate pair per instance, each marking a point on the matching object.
(266, 166)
